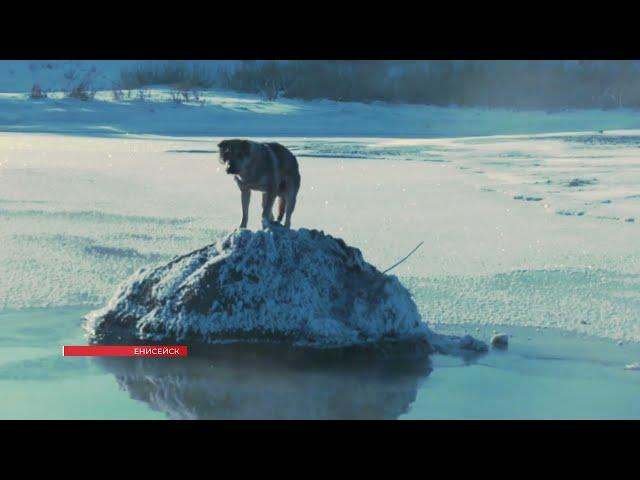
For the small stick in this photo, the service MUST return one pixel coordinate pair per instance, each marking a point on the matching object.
(408, 255)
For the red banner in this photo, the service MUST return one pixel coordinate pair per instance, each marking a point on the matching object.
(125, 351)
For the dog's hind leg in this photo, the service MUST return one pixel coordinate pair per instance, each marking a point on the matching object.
(290, 205)
(267, 206)
(282, 202)
(268, 199)
(245, 197)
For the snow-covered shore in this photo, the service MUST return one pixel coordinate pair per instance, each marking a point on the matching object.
(221, 113)
(224, 113)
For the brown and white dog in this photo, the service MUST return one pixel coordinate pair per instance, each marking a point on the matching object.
(266, 167)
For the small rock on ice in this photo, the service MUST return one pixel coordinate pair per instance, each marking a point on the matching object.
(467, 342)
(500, 341)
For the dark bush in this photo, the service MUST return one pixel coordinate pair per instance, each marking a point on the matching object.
(171, 73)
(81, 91)
(505, 84)
(37, 93)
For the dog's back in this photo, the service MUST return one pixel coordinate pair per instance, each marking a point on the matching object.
(288, 161)
(288, 164)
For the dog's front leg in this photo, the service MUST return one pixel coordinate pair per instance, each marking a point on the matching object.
(268, 198)
(246, 196)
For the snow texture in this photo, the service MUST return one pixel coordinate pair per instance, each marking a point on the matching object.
(301, 288)
(78, 215)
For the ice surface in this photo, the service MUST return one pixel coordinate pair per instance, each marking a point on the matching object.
(526, 381)
(78, 214)
(250, 383)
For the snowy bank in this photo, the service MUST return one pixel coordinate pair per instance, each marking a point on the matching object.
(215, 112)
(220, 113)
(298, 288)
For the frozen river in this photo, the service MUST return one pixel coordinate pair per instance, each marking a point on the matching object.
(535, 235)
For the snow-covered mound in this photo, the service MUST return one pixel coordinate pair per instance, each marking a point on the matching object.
(296, 287)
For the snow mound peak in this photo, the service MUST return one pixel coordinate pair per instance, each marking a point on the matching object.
(296, 287)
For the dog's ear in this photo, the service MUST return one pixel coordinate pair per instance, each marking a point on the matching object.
(221, 146)
(246, 147)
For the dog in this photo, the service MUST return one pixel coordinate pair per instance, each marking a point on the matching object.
(269, 168)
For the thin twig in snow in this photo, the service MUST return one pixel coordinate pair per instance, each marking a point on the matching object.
(408, 255)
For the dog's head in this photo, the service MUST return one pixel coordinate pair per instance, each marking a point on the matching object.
(235, 154)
